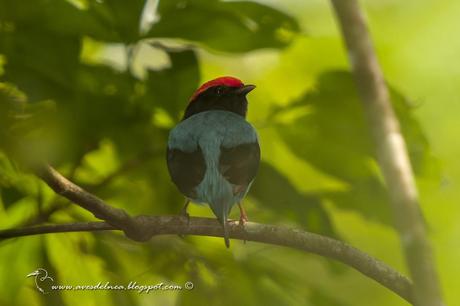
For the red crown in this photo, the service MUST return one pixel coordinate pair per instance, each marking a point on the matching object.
(225, 81)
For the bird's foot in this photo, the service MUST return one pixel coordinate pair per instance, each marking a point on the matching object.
(184, 214)
(243, 220)
(243, 215)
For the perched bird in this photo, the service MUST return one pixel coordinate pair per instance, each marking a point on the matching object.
(213, 154)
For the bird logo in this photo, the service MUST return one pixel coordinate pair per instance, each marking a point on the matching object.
(42, 279)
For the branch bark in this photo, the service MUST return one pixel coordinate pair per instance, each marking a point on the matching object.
(277, 235)
(391, 152)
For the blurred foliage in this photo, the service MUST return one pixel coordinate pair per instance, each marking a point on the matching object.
(94, 87)
(335, 126)
(252, 25)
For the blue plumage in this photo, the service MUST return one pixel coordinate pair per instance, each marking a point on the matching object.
(211, 131)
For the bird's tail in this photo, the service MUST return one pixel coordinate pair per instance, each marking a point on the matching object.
(225, 226)
(221, 211)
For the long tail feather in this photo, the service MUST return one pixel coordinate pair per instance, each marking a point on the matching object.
(221, 210)
(223, 220)
(226, 237)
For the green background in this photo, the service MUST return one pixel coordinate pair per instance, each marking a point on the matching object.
(83, 87)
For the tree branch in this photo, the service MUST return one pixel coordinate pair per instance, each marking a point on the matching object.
(277, 235)
(143, 228)
(43, 215)
(114, 216)
(55, 228)
(391, 152)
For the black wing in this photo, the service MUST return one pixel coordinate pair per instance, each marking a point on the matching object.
(239, 165)
(186, 169)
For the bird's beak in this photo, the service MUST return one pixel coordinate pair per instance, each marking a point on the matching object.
(245, 89)
(32, 274)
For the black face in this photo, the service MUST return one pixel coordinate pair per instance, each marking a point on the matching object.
(231, 99)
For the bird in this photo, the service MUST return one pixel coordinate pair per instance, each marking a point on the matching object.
(213, 153)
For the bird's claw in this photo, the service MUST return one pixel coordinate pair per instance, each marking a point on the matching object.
(243, 220)
(187, 216)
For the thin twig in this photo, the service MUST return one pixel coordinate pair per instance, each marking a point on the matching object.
(55, 228)
(391, 152)
(271, 234)
(45, 214)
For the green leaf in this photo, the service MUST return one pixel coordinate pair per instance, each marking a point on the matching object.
(41, 72)
(25, 127)
(236, 26)
(320, 298)
(172, 87)
(72, 258)
(57, 16)
(334, 137)
(306, 209)
(110, 20)
(12, 103)
(121, 15)
(9, 193)
(23, 257)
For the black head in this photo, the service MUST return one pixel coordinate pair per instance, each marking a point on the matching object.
(224, 93)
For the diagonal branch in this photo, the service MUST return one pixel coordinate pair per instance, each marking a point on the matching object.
(114, 216)
(391, 152)
(57, 205)
(277, 235)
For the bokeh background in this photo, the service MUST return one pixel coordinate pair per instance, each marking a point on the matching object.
(95, 86)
